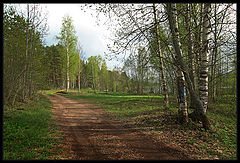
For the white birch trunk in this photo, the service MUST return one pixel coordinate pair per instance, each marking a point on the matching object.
(67, 86)
(203, 78)
(197, 104)
(172, 16)
(79, 85)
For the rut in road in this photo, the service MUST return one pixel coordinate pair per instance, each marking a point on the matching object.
(94, 136)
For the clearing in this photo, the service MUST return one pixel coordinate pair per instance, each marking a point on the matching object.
(90, 134)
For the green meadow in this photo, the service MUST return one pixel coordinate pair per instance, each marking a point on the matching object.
(147, 111)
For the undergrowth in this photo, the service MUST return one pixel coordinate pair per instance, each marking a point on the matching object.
(29, 132)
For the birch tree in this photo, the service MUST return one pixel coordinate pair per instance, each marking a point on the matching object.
(104, 76)
(197, 104)
(80, 53)
(68, 40)
(203, 78)
(172, 17)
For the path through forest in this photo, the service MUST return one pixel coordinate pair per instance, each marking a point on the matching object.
(92, 135)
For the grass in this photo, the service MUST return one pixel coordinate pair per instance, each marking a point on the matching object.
(148, 111)
(121, 104)
(50, 92)
(29, 132)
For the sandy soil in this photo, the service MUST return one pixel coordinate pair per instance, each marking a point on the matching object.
(91, 135)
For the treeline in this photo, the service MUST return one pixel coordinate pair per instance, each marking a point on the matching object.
(29, 65)
(92, 73)
(23, 52)
(66, 68)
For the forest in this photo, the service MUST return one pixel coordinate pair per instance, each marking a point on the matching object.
(185, 53)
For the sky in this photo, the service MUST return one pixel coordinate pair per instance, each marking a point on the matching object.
(93, 37)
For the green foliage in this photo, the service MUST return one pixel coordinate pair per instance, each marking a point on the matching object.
(68, 50)
(104, 76)
(24, 72)
(67, 36)
(224, 105)
(93, 69)
(29, 131)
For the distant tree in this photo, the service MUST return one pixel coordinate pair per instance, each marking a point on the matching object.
(80, 53)
(68, 40)
(54, 64)
(104, 76)
(93, 70)
(141, 64)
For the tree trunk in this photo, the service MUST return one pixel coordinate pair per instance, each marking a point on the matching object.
(30, 63)
(24, 93)
(165, 91)
(79, 89)
(203, 78)
(182, 99)
(15, 95)
(93, 79)
(196, 49)
(190, 48)
(189, 45)
(182, 110)
(214, 59)
(67, 85)
(197, 104)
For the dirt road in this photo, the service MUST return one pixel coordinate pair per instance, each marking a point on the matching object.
(94, 136)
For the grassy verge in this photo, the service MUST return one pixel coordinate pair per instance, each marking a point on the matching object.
(147, 112)
(50, 92)
(29, 132)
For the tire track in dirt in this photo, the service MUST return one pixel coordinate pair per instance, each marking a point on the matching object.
(94, 136)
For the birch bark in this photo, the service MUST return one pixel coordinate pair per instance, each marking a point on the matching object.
(182, 110)
(67, 85)
(197, 104)
(203, 78)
